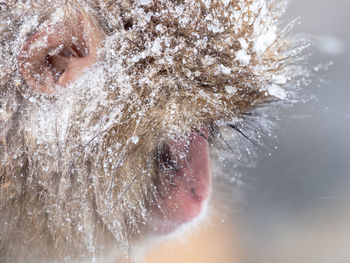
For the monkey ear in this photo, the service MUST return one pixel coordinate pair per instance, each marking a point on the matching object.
(59, 51)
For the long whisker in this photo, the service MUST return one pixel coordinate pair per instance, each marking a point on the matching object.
(226, 143)
(127, 189)
(235, 127)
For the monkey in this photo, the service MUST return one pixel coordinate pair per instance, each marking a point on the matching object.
(109, 111)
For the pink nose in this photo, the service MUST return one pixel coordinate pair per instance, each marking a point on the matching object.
(194, 168)
(192, 180)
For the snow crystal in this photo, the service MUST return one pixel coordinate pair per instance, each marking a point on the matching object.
(230, 89)
(215, 26)
(134, 139)
(243, 42)
(160, 28)
(256, 5)
(279, 79)
(243, 57)
(265, 40)
(157, 48)
(209, 60)
(58, 16)
(276, 91)
(226, 2)
(145, 2)
(179, 10)
(221, 69)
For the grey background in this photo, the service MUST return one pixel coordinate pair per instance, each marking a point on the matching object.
(296, 202)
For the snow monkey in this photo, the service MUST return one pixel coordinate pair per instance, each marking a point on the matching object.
(108, 111)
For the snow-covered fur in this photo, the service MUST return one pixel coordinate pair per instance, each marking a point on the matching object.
(78, 169)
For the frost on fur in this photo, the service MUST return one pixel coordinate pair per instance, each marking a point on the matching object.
(167, 68)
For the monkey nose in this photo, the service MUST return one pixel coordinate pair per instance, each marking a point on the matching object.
(195, 173)
(192, 179)
(59, 52)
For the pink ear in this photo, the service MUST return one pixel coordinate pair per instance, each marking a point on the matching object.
(59, 51)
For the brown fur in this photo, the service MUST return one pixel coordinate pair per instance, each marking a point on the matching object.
(71, 183)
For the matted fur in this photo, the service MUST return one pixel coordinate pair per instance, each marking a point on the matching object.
(79, 169)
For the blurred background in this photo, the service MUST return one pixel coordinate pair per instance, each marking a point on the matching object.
(294, 206)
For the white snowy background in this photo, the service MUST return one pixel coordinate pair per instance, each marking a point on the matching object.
(296, 205)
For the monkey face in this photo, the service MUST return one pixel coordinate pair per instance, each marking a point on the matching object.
(56, 57)
(108, 110)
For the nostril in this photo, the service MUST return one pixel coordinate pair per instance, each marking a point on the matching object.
(193, 192)
(57, 64)
(59, 51)
(58, 59)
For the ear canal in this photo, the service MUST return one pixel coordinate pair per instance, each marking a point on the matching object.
(59, 51)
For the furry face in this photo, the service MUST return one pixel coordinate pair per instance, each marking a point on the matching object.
(108, 110)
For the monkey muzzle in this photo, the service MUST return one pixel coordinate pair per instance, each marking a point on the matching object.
(186, 187)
